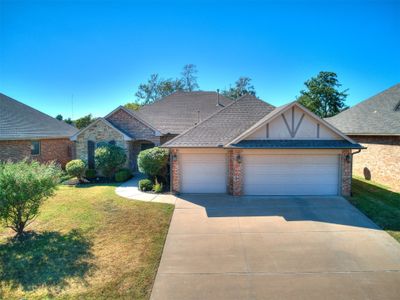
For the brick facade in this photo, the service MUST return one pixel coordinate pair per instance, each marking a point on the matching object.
(235, 173)
(380, 162)
(59, 150)
(136, 129)
(346, 172)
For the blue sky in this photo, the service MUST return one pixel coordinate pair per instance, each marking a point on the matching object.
(99, 51)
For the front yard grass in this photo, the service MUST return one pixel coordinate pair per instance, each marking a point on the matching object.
(379, 203)
(87, 243)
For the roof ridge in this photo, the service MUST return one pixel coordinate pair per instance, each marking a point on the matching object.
(196, 125)
(36, 110)
(240, 99)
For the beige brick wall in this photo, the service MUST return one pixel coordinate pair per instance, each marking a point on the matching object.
(59, 150)
(99, 132)
(381, 161)
(345, 163)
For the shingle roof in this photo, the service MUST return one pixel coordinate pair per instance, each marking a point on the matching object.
(296, 144)
(19, 121)
(223, 126)
(181, 110)
(376, 115)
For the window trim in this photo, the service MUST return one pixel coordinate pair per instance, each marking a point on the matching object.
(39, 148)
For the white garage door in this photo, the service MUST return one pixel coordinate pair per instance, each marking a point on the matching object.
(291, 174)
(203, 173)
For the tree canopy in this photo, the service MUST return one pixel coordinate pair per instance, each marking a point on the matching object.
(84, 121)
(242, 87)
(322, 95)
(156, 87)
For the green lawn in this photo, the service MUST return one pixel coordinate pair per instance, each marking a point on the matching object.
(87, 243)
(379, 203)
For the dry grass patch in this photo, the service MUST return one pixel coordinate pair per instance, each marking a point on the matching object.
(89, 244)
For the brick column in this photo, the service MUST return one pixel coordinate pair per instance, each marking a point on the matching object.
(235, 173)
(346, 172)
(175, 171)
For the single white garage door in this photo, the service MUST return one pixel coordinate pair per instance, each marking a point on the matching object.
(291, 174)
(203, 173)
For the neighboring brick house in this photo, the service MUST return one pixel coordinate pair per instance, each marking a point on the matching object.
(28, 133)
(150, 126)
(375, 123)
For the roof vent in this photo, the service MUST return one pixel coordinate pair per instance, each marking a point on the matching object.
(397, 107)
(218, 104)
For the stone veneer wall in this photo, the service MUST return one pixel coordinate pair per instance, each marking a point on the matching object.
(99, 132)
(59, 150)
(380, 162)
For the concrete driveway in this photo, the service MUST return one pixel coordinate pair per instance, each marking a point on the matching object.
(222, 247)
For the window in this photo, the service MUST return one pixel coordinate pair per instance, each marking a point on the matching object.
(35, 147)
(146, 146)
(112, 142)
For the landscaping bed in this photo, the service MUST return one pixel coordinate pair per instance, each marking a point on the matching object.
(87, 243)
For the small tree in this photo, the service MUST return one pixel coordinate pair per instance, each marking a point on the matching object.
(24, 186)
(84, 121)
(76, 168)
(109, 158)
(153, 162)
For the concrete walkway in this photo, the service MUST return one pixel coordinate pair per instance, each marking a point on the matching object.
(222, 247)
(130, 190)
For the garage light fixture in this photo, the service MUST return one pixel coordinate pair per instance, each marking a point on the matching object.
(174, 157)
(238, 159)
(348, 158)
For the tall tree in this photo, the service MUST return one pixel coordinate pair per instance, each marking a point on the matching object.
(322, 95)
(242, 87)
(189, 77)
(84, 121)
(59, 117)
(148, 92)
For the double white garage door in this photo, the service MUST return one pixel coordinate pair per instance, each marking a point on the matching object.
(263, 174)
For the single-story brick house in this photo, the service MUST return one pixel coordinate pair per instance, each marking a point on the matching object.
(375, 123)
(152, 125)
(252, 148)
(28, 133)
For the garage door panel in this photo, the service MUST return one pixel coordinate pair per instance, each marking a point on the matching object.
(291, 174)
(203, 173)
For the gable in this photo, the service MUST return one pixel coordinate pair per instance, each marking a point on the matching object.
(127, 122)
(294, 123)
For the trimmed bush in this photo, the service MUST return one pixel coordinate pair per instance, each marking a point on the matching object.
(145, 185)
(90, 173)
(109, 158)
(76, 168)
(24, 186)
(123, 175)
(153, 162)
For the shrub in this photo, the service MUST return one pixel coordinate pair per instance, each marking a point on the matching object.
(76, 168)
(24, 186)
(123, 175)
(90, 173)
(158, 188)
(109, 158)
(145, 185)
(153, 162)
